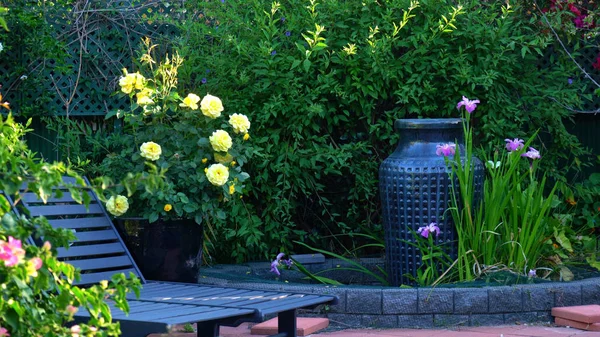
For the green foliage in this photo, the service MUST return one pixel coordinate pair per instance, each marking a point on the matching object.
(187, 152)
(39, 299)
(436, 264)
(510, 224)
(324, 81)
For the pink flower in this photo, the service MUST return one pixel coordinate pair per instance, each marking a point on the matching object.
(513, 145)
(3, 332)
(47, 246)
(470, 105)
(11, 252)
(596, 65)
(37, 263)
(446, 150)
(75, 330)
(532, 154)
(72, 310)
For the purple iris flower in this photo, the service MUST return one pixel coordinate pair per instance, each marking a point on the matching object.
(532, 273)
(431, 228)
(275, 263)
(513, 145)
(273, 53)
(274, 266)
(570, 81)
(223, 1)
(532, 154)
(204, 80)
(470, 105)
(288, 33)
(446, 150)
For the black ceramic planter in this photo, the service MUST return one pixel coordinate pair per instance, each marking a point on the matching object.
(414, 185)
(164, 250)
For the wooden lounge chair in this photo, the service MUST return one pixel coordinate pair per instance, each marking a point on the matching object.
(100, 253)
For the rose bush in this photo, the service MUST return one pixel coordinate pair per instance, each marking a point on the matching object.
(183, 136)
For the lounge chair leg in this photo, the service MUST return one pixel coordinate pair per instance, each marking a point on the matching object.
(286, 321)
(208, 329)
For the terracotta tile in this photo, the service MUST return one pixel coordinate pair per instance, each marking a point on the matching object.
(304, 326)
(581, 313)
(577, 325)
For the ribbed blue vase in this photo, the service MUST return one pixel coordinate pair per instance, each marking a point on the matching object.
(414, 184)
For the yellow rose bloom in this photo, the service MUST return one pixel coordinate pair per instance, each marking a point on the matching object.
(131, 81)
(211, 106)
(118, 205)
(204, 160)
(143, 97)
(191, 101)
(217, 174)
(240, 123)
(150, 151)
(220, 141)
(168, 207)
(246, 136)
(233, 163)
(231, 189)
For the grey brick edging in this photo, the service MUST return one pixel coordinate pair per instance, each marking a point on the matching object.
(387, 307)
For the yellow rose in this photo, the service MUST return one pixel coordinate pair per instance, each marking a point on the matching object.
(240, 123)
(220, 141)
(204, 160)
(191, 101)
(231, 189)
(217, 174)
(168, 207)
(143, 97)
(233, 163)
(131, 81)
(246, 136)
(150, 151)
(117, 206)
(211, 106)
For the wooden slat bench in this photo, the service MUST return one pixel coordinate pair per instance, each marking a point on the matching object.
(100, 252)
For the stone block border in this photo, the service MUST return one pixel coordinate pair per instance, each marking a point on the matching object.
(386, 307)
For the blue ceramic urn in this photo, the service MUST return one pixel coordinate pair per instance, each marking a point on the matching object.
(414, 184)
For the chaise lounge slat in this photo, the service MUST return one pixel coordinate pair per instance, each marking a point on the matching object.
(101, 263)
(79, 223)
(89, 250)
(99, 253)
(64, 210)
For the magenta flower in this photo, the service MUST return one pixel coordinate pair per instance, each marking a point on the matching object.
(431, 228)
(470, 105)
(532, 154)
(11, 252)
(446, 150)
(513, 145)
(3, 332)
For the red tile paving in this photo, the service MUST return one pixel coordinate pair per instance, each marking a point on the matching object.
(304, 326)
(580, 313)
(578, 325)
(492, 331)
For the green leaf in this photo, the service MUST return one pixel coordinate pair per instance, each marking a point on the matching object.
(306, 64)
(562, 240)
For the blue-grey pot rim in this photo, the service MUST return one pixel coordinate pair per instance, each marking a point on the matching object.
(428, 123)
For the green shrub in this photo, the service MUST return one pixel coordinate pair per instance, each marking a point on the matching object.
(38, 297)
(324, 81)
